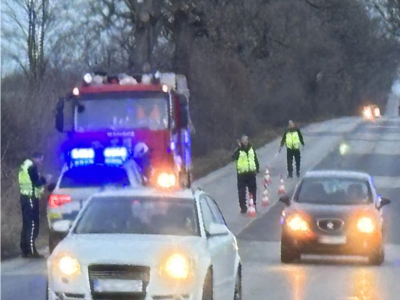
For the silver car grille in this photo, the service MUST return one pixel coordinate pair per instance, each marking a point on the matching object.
(330, 224)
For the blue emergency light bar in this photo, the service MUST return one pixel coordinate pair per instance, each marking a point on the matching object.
(112, 156)
(83, 153)
(120, 152)
(115, 155)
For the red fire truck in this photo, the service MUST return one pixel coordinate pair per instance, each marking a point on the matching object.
(131, 112)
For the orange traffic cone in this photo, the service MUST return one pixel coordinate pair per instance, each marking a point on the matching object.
(281, 189)
(267, 177)
(265, 200)
(251, 210)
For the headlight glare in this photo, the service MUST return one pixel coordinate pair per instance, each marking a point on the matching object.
(177, 266)
(69, 266)
(365, 225)
(166, 180)
(297, 223)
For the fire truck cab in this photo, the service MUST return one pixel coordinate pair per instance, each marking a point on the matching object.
(111, 119)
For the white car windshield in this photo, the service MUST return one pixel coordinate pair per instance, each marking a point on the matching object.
(146, 215)
(334, 191)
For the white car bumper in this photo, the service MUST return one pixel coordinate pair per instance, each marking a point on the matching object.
(68, 296)
(63, 288)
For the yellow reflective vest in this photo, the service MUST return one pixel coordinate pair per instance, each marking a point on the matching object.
(293, 140)
(26, 185)
(246, 163)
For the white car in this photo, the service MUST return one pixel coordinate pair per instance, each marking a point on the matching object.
(146, 244)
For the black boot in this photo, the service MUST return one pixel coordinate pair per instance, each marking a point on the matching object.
(36, 255)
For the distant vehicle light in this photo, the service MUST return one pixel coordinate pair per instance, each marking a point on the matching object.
(75, 91)
(377, 112)
(297, 223)
(58, 200)
(165, 180)
(365, 225)
(367, 112)
(87, 78)
(82, 153)
(69, 266)
(120, 152)
(165, 88)
(343, 149)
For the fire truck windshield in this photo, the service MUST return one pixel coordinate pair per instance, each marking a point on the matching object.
(119, 111)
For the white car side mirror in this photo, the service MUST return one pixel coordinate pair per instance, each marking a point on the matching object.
(62, 225)
(217, 230)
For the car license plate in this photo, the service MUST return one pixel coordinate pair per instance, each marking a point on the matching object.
(332, 240)
(118, 285)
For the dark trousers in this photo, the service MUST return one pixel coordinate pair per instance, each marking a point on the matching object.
(290, 154)
(144, 164)
(30, 224)
(246, 181)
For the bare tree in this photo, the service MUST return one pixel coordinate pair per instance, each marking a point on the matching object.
(389, 14)
(25, 28)
(149, 20)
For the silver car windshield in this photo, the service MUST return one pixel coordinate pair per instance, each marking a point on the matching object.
(126, 215)
(334, 191)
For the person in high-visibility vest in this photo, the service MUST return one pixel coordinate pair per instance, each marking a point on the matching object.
(292, 139)
(247, 167)
(31, 186)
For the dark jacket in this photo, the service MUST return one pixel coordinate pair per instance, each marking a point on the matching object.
(235, 155)
(37, 180)
(292, 130)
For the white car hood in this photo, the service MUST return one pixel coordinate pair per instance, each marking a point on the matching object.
(148, 250)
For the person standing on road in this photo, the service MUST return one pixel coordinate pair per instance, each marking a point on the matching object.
(31, 186)
(292, 139)
(247, 167)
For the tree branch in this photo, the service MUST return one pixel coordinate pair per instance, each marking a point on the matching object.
(11, 13)
(5, 150)
(317, 6)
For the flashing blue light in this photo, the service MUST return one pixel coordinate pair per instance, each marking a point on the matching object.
(114, 161)
(120, 152)
(82, 153)
(83, 162)
(172, 146)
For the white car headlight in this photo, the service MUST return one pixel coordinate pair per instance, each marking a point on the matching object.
(68, 265)
(177, 266)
